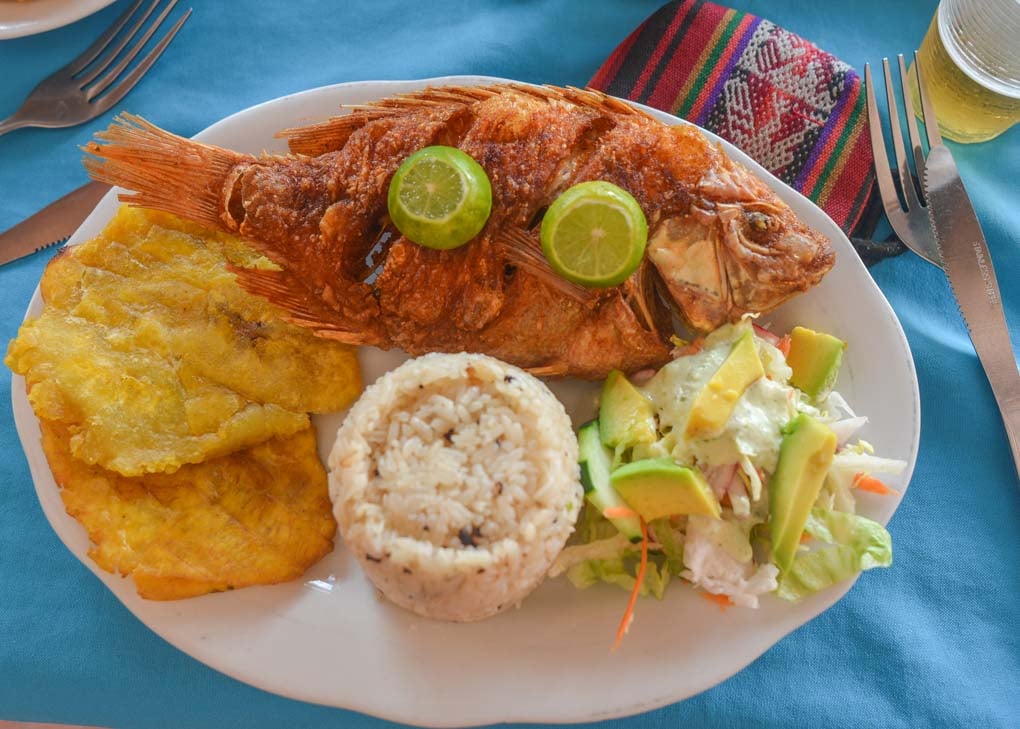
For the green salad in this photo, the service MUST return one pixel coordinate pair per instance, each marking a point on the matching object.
(734, 468)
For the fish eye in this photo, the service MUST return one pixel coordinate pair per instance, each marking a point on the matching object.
(759, 224)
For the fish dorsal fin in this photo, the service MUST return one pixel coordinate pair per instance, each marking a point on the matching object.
(302, 308)
(333, 133)
(589, 98)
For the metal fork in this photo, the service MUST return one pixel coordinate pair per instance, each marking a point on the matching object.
(89, 85)
(908, 219)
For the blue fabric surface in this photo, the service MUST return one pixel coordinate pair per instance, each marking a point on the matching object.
(933, 641)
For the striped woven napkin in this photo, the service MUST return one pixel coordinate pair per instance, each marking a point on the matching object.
(796, 109)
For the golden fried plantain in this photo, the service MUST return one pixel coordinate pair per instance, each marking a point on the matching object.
(258, 516)
(153, 357)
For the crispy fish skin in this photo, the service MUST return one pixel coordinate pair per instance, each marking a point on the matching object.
(153, 357)
(257, 516)
(721, 243)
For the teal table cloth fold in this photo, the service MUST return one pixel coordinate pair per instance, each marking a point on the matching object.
(933, 641)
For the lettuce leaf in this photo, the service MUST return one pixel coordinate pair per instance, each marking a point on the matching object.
(593, 527)
(672, 543)
(857, 544)
(618, 572)
(601, 550)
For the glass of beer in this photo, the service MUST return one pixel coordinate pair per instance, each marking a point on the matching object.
(970, 58)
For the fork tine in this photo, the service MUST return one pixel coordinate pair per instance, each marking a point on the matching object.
(91, 72)
(117, 70)
(931, 125)
(92, 52)
(128, 82)
(908, 109)
(902, 166)
(883, 175)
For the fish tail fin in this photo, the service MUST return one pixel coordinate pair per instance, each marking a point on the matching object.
(305, 310)
(163, 171)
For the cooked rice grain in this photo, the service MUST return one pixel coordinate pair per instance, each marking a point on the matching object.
(454, 481)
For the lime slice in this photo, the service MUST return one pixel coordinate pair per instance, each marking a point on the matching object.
(594, 234)
(440, 198)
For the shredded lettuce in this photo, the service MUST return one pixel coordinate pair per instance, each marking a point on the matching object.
(671, 541)
(618, 572)
(656, 579)
(615, 559)
(857, 544)
(600, 550)
(837, 493)
(592, 526)
(851, 460)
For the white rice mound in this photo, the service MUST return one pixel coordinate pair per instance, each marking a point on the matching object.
(454, 481)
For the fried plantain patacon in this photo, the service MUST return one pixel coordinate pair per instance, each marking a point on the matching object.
(152, 356)
(258, 516)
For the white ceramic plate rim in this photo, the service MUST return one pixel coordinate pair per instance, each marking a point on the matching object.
(248, 634)
(21, 19)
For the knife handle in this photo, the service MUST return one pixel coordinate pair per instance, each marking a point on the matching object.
(1010, 409)
(995, 352)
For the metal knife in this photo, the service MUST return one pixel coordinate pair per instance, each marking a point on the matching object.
(969, 267)
(53, 224)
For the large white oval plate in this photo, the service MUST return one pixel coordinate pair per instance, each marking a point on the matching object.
(328, 639)
(21, 19)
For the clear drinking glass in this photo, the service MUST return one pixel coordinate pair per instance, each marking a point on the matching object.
(971, 62)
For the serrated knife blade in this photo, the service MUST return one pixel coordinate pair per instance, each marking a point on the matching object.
(53, 224)
(972, 277)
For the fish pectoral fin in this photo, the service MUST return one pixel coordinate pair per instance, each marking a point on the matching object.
(302, 308)
(523, 250)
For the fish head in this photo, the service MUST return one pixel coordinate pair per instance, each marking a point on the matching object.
(736, 249)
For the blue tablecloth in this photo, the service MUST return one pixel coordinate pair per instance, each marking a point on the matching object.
(933, 641)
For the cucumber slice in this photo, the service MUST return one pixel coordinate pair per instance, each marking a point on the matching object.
(595, 461)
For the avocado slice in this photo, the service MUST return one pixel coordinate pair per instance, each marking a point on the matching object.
(626, 417)
(815, 358)
(658, 487)
(714, 404)
(804, 458)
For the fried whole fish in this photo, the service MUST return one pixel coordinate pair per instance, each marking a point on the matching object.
(721, 244)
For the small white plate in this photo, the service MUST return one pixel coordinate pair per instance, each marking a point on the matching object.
(328, 639)
(35, 16)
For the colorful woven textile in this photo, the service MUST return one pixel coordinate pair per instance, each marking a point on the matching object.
(796, 109)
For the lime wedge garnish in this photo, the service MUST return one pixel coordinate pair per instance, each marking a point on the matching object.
(594, 234)
(440, 198)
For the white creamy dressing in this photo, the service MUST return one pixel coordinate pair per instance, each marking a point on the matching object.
(753, 431)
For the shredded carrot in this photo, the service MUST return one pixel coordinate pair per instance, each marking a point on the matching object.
(618, 512)
(784, 345)
(723, 601)
(628, 615)
(805, 537)
(864, 482)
